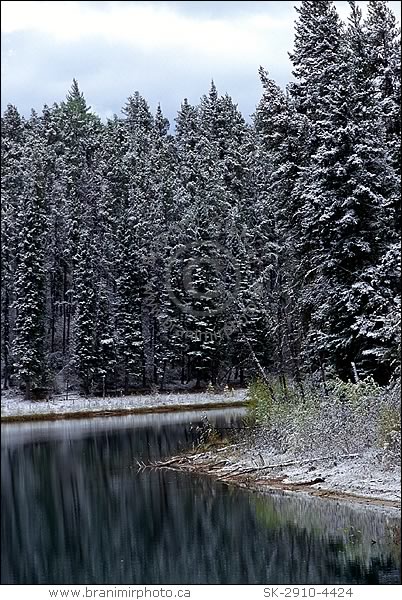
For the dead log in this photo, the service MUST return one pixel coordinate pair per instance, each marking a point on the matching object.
(304, 483)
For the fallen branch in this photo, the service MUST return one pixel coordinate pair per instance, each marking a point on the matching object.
(303, 483)
(220, 462)
(292, 463)
(298, 462)
(231, 446)
(231, 472)
(165, 463)
(209, 465)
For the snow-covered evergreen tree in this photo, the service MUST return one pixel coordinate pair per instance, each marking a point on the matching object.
(12, 185)
(384, 52)
(133, 257)
(29, 344)
(345, 194)
(85, 311)
(279, 161)
(134, 236)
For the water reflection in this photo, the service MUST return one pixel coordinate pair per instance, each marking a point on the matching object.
(76, 511)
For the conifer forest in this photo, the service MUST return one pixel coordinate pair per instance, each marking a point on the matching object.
(138, 254)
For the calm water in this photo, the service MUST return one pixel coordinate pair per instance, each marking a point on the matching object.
(75, 510)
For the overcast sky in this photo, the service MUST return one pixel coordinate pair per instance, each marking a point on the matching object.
(165, 50)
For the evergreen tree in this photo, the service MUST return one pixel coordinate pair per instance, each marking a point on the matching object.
(161, 314)
(135, 238)
(105, 337)
(318, 39)
(278, 165)
(128, 299)
(85, 312)
(12, 184)
(383, 46)
(345, 194)
(29, 345)
(132, 257)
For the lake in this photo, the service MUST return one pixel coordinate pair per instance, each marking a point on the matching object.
(76, 511)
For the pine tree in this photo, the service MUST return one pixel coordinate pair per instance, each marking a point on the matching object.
(86, 311)
(132, 257)
(279, 129)
(128, 299)
(12, 183)
(29, 346)
(344, 193)
(162, 318)
(376, 326)
(134, 238)
(211, 143)
(105, 338)
(383, 44)
(78, 163)
(318, 38)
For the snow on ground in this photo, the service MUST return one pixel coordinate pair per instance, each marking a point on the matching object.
(362, 475)
(14, 405)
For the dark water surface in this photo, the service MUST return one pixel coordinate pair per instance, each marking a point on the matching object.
(75, 511)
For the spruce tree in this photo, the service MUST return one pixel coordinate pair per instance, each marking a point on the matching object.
(278, 164)
(382, 36)
(29, 345)
(12, 185)
(85, 311)
(345, 193)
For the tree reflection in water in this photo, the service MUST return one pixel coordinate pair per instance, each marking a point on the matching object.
(76, 511)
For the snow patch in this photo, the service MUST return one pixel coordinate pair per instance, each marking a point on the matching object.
(14, 405)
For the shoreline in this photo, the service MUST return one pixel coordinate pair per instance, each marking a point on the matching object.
(274, 485)
(225, 467)
(355, 478)
(118, 412)
(16, 410)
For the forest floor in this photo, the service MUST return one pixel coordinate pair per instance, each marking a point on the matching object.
(14, 408)
(361, 479)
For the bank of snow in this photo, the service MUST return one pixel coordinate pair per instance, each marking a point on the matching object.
(362, 479)
(14, 407)
(341, 439)
(344, 443)
(357, 475)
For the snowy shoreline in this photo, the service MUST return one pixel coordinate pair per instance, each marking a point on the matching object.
(14, 408)
(359, 479)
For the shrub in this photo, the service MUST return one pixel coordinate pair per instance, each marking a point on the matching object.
(350, 418)
(389, 427)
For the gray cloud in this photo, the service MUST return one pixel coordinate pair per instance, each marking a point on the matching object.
(38, 68)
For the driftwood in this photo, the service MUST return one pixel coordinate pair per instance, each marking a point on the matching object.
(304, 483)
(290, 463)
(229, 447)
(174, 460)
(224, 469)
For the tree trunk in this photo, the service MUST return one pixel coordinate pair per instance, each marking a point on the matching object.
(162, 380)
(64, 308)
(183, 368)
(148, 349)
(68, 326)
(6, 340)
(27, 387)
(126, 377)
(52, 311)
